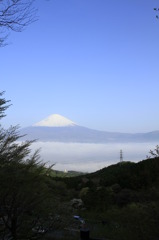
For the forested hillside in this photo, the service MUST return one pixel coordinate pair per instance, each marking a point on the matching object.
(124, 197)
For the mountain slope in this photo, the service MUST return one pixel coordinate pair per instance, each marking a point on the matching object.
(59, 129)
(55, 120)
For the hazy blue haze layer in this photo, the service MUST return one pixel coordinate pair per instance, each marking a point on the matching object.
(79, 134)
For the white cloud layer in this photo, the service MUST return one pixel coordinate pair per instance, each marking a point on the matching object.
(90, 157)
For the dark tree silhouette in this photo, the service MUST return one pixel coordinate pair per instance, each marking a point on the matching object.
(24, 192)
(154, 153)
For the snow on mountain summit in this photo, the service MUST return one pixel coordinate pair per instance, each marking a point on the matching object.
(55, 120)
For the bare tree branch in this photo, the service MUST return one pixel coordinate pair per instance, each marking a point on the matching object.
(15, 15)
(156, 10)
(154, 153)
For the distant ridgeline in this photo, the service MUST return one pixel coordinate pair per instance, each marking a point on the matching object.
(56, 128)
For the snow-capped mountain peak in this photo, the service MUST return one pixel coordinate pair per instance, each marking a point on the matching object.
(55, 120)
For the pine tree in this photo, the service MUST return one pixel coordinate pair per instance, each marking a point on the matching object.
(24, 193)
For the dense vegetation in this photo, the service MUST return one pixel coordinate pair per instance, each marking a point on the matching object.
(124, 197)
(118, 202)
(29, 198)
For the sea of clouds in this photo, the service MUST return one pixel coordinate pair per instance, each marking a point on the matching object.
(89, 157)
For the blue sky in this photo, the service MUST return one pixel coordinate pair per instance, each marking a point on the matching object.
(95, 62)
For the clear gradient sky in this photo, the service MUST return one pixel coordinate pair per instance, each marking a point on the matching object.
(95, 62)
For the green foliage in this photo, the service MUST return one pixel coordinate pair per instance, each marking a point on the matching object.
(25, 197)
(121, 200)
(3, 105)
(84, 192)
(21, 194)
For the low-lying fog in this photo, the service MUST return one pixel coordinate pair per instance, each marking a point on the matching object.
(87, 157)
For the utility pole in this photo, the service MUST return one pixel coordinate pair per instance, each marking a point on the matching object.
(121, 156)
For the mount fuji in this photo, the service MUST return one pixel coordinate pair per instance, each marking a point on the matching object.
(55, 120)
(57, 128)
